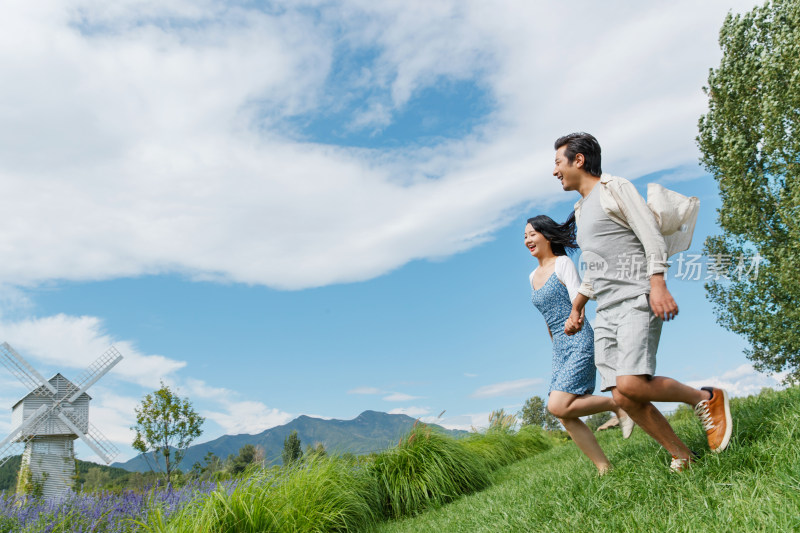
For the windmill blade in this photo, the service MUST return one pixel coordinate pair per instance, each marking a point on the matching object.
(24, 372)
(32, 421)
(23, 433)
(100, 440)
(96, 370)
(93, 438)
(10, 450)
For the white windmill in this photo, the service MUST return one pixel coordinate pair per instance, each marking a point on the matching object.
(49, 418)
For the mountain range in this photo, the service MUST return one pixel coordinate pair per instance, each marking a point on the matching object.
(371, 431)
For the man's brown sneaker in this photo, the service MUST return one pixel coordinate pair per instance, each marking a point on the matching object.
(715, 414)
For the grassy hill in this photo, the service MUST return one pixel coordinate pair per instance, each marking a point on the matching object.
(752, 486)
(496, 481)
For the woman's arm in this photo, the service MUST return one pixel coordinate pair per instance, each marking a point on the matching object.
(576, 317)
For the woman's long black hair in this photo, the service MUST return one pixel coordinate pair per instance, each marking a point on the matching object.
(561, 236)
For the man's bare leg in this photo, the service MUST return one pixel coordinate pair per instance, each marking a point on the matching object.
(645, 389)
(653, 423)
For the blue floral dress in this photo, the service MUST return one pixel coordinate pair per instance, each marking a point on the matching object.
(573, 356)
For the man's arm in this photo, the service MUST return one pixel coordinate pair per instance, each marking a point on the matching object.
(644, 226)
(661, 301)
(641, 220)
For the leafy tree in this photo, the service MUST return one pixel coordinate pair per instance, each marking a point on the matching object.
(291, 449)
(318, 450)
(598, 419)
(248, 455)
(96, 479)
(166, 425)
(750, 142)
(211, 465)
(534, 413)
(8, 473)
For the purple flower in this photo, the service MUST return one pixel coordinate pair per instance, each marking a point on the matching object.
(98, 512)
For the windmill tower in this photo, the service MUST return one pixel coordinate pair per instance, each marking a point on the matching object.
(49, 418)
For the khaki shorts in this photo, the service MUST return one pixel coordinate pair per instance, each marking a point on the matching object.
(626, 338)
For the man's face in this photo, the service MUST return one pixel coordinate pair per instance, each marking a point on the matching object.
(567, 173)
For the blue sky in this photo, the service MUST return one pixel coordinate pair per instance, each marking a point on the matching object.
(286, 208)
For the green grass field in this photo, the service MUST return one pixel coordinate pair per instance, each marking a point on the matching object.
(500, 480)
(753, 486)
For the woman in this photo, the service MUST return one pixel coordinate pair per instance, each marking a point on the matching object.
(555, 284)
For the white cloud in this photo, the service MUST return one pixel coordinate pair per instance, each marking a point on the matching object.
(166, 147)
(507, 388)
(390, 396)
(365, 390)
(67, 343)
(400, 397)
(233, 415)
(412, 411)
(113, 416)
(743, 380)
(466, 422)
(321, 417)
(247, 417)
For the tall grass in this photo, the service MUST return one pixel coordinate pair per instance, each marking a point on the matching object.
(499, 448)
(326, 494)
(426, 470)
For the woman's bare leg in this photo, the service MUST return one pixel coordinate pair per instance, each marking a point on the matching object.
(569, 407)
(566, 405)
(584, 439)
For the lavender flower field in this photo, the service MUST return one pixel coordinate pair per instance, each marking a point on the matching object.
(97, 512)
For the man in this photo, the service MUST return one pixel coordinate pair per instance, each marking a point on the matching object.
(620, 235)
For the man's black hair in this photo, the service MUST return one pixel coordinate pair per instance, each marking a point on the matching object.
(582, 143)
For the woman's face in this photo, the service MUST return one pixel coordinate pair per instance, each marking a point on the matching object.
(536, 243)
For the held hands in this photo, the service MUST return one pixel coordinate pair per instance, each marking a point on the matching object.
(661, 301)
(574, 323)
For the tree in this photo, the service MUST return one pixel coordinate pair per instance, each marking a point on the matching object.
(534, 413)
(291, 449)
(248, 455)
(316, 451)
(166, 425)
(750, 142)
(598, 419)
(96, 478)
(211, 465)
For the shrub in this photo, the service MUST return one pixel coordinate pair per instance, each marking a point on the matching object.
(325, 494)
(500, 448)
(427, 469)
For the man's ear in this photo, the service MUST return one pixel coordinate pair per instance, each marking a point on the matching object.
(579, 160)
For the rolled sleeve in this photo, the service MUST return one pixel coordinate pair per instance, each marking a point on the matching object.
(643, 224)
(586, 289)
